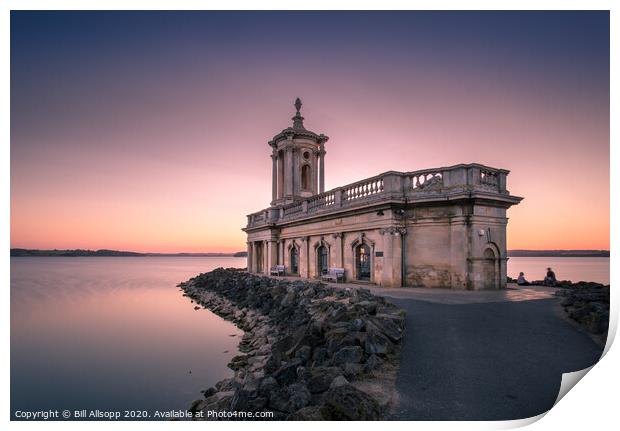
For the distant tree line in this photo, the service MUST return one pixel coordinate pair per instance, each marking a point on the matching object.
(558, 253)
(23, 252)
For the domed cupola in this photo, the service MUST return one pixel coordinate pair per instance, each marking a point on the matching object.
(298, 157)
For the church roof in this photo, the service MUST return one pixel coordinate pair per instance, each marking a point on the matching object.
(298, 130)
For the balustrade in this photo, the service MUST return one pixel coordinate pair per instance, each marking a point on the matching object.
(392, 185)
(489, 178)
(425, 181)
(363, 189)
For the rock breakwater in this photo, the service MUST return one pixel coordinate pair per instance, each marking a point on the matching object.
(588, 304)
(310, 351)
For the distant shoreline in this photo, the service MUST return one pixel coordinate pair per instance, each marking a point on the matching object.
(558, 253)
(22, 252)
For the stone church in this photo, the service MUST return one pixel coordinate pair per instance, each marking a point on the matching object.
(441, 227)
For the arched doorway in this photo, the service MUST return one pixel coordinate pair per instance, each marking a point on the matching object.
(322, 264)
(362, 262)
(489, 271)
(294, 260)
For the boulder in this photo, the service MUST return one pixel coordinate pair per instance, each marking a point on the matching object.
(350, 354)
(299, 396)
(349, 403)
(321, 378)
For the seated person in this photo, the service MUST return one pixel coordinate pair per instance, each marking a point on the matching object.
(521, 281)
(550, 279)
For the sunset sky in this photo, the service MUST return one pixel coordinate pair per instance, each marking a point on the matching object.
(148, 131)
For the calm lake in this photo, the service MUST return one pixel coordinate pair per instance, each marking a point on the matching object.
(113, 333)
(565, 268)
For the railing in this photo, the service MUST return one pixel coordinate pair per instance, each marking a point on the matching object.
(424, 181)
(401, 186)
(363, 189)
(489, 177)
(292, 209)
(323, 200)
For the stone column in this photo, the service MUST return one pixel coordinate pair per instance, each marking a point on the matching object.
(322, 169)
(274, 176)
(338, 257)
(315, 176)
(272, 247)
(280, 176)
(388, 256)
(266, 256)
(249, 257)
(254, 257)
(304, 270)
(398, 257)
(459, 253)
(288, 171)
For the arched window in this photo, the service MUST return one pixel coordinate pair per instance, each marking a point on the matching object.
(322, 256)
(294, 260)
(305, 177)
(362, 262)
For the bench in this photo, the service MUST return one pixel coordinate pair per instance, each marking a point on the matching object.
(334, 274)
(277, 270)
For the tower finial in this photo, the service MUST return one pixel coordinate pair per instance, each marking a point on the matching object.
(298, 120)
(298, 105)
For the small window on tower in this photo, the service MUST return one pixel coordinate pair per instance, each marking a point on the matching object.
(305, 177)
(306, 155)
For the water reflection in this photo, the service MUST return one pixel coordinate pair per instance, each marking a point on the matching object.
(113, 333)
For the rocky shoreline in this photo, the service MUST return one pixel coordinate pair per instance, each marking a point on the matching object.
(310, 351)
(587, 303)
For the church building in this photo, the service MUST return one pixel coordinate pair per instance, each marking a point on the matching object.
(440, 227)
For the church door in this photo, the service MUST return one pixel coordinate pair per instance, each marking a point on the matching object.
(322, 260)
(294, 261)
(362, 262)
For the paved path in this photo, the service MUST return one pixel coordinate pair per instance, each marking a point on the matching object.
(486, 360)
(484, 355)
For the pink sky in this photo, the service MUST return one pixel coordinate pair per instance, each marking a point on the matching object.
(170, 154)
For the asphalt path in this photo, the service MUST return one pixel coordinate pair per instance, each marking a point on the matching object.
(486, 361)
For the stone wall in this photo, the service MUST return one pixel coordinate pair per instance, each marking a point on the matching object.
(310, 352)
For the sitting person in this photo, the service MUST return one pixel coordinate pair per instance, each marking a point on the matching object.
(521, 281)
(550, 279)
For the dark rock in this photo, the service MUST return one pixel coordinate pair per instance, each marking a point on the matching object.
(267, 386)
(339, 381)
(322, 377)
(299, 396)
(278, 400)
(372, 363)
(319, 356)
(388, 327)
(287, 373)
(303, 373)
(351, 354)
(303, 353)
(351, 371)
(208, 392)
(310, 413)
(294, 330)
(349, 403)
(376, 343)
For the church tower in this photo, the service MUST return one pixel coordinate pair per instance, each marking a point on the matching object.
(298, 157)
